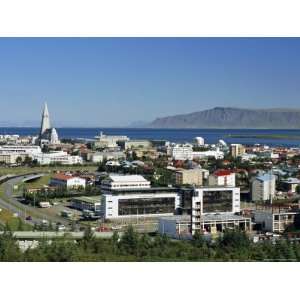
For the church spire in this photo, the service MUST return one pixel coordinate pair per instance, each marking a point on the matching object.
(45, 125)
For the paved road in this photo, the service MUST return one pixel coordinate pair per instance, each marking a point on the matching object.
(51, 234)
(15, 206)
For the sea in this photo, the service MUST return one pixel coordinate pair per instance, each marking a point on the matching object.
(211, 136)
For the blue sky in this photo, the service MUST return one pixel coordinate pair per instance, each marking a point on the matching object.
(116, 81)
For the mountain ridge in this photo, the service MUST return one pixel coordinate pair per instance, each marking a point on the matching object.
(233, 117)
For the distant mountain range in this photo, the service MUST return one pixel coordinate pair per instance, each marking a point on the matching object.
(230, 117)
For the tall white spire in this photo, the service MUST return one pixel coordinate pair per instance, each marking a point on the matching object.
(45, 120)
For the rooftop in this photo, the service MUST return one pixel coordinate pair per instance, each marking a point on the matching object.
(223, 173)
(63, 177)
(93, 199)
(265, 177)
(221, 217)
(127, 178)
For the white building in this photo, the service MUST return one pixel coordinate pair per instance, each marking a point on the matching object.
(222, 178)
(68, 181)
(133, 197)
(215, 208)
(129, 182)
(182, 152)
(109, 141)
(56, 157)
(199, 141)
(20, 149)
(217, 154)
(263, 187)
(291, 184)
(97, 157)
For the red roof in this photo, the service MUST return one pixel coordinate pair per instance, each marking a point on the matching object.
(223, 172)
(62, 177)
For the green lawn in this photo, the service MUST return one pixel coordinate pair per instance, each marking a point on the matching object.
(14, 223)
(23, 170)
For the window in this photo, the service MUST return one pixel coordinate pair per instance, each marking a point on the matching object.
(144, 206)
(217, 201)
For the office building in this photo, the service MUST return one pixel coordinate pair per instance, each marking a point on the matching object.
(215, 209)
(133, 197)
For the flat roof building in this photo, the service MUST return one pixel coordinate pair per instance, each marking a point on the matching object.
(131, 196)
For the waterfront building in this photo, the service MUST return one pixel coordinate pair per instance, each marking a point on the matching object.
(134, 144)
(108, 141)
(199, 141)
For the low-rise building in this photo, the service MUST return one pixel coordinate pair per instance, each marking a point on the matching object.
(92, 203)
(222, 178)
(57, 157)
(276, 222)
(68, 181)
(97, 157)
(20, 149)
(191, 177)
(182, 152)
(116, 182)
(177, 227)
(217, 154)
(291, 184)
(135, 144)
(109, 141)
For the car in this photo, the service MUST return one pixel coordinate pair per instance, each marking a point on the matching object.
(61, 228)
(45, 222)
(29, 218)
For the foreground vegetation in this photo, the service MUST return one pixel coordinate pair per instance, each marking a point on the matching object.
(232, 246)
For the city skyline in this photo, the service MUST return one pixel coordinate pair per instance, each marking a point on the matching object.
(113, 82)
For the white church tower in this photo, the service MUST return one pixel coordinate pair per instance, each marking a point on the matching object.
(45, 125)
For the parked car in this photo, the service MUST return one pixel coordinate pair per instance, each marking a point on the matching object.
(29, 218)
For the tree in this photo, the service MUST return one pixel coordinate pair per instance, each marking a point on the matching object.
(129, 241)
(19, 160)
